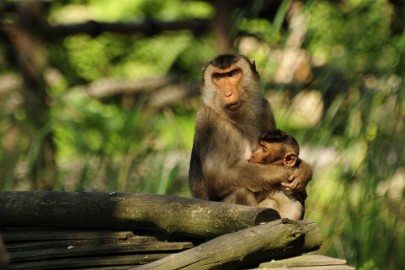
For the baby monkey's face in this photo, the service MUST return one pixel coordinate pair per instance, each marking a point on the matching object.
(268, 153)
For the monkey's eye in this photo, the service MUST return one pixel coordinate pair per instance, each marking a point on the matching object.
(217, 76)
(264, 148)
(234, 73)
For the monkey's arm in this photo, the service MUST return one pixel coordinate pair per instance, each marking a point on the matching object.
(223, 170)
(197, 187)
(300, 178)
(265, 175)
(253, 177)
(202, 135)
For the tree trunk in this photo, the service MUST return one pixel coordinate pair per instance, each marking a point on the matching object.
(31, 56)
(178, 217)
(221, 25)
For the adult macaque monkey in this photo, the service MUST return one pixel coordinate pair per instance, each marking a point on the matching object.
(233, 116)
(279, 148)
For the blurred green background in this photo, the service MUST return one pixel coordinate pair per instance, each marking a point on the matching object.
(102, 95)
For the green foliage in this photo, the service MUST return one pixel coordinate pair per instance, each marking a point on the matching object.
(113, 142)
(349, 36)
(360, 45)
(95, 58)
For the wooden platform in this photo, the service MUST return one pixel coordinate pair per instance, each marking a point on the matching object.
(55, 248)
(48, 239)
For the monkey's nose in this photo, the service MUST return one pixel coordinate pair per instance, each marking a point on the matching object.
(228, 93)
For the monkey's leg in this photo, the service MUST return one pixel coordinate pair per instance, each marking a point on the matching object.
(289, 207)
(241, 196)
(269, 203)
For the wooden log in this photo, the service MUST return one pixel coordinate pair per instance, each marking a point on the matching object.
(179, 217)
(246, 248)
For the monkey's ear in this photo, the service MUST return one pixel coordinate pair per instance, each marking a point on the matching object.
(290, 159)
(253, 65)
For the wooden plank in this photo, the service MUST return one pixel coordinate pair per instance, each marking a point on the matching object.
(304, 260)
(38, 234)
(307, 261)
(325, 267)
(73, 251)
(120, 267)
(31, 245)
(79, 262)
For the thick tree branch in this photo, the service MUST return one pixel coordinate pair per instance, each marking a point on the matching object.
(114, 86)
(147, 27)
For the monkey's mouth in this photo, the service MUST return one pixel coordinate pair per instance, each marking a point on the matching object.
(233, 106)
(257, 162)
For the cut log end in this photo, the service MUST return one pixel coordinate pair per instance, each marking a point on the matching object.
(266, 215)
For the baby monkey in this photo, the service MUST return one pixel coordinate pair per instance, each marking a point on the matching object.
(279, 148)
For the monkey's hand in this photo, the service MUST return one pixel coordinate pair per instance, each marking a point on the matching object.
(296, 182)
(299, 179)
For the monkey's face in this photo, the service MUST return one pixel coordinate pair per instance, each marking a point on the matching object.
(229, 86)
(268, 153)
(227, 81)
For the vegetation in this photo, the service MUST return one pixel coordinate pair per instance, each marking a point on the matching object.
(333, 71)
